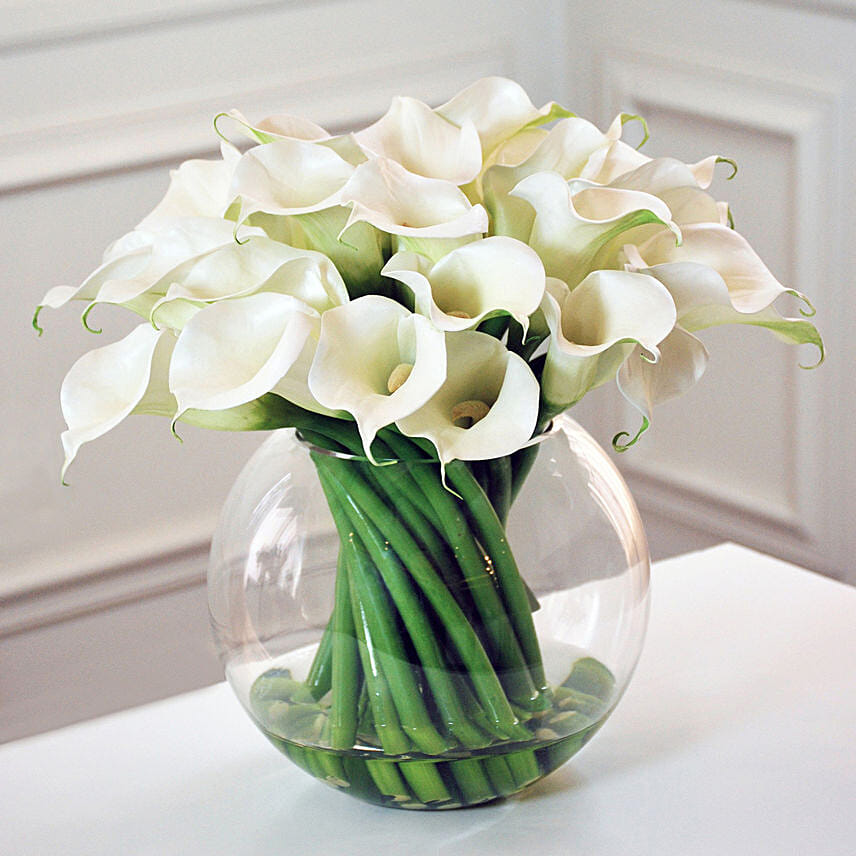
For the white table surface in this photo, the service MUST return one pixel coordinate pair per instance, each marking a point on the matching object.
(737, 736)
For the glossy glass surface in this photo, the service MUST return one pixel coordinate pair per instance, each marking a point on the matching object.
(580, 549)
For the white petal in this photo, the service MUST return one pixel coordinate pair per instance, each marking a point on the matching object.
(294, 384)
(574, 221)
(683, 359)
(289, 177)
(396, 201)
(359, 346)
(592, 325)
(702, 300)
(751, 286)
(423, 142)
(232, 352)
(170, 248)
(479, 368)
(104, 386)
(605, 165)
(281, 126)
(657, 176)
(564, 150)
(498, 108)
(484, 277)
(198, 188)
(259, 264)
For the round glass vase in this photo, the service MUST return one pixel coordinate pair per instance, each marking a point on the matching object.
(424, 639)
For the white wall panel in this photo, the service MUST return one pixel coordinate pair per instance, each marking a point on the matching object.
(749, 454)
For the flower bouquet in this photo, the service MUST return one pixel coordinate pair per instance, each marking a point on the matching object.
(421, 300)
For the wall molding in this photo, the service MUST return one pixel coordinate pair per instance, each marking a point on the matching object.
(34, 24)
(805, 111)
(49, 588)
(63, 146)
(842, 8)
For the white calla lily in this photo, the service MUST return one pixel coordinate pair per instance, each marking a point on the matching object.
(487, 406)
(565, 150)
(108, 384)
(294, 190)
(677, 184)
(751, 286)
(139, 262)
(283, 126)
(394, 200)
(237, 270)
(605, 165)
(289, 177)
(594, 327)
(235, 351)
(198, 188)
(492, 276)
(498, 108)
(683, 359)
(703, 300)
(575, 222)
(423, 142)
(377, 361)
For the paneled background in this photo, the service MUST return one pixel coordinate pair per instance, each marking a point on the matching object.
(102, 601)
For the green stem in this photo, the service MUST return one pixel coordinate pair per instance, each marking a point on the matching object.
(365, 537)
(492, 536)
(384, 715)
(319, 679)
(345, 677)
(364, 505)
(388, 651)
(500, 486)
(502, 642)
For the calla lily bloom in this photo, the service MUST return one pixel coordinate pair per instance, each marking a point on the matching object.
(235, 351)
(377, 361)
(702, 299)
(683, 359)
(198, 188)
(289, 177)
(498, 108)
(423, 142)
(564, 150)
(107, 384)
(294, 190)
(285, 126)
(139, 262)
(487, 406)
(396, 201)
(751, 287)
(575, 221)
(237, 270)
(594, 327)
(484, 278)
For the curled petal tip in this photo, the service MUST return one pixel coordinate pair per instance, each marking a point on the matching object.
(85, 319)
(623, 447)
(820, 359)
(633, 117)
(731, 163)
(217, 131)
(39, 330)
(172, 426)
(808, 311)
